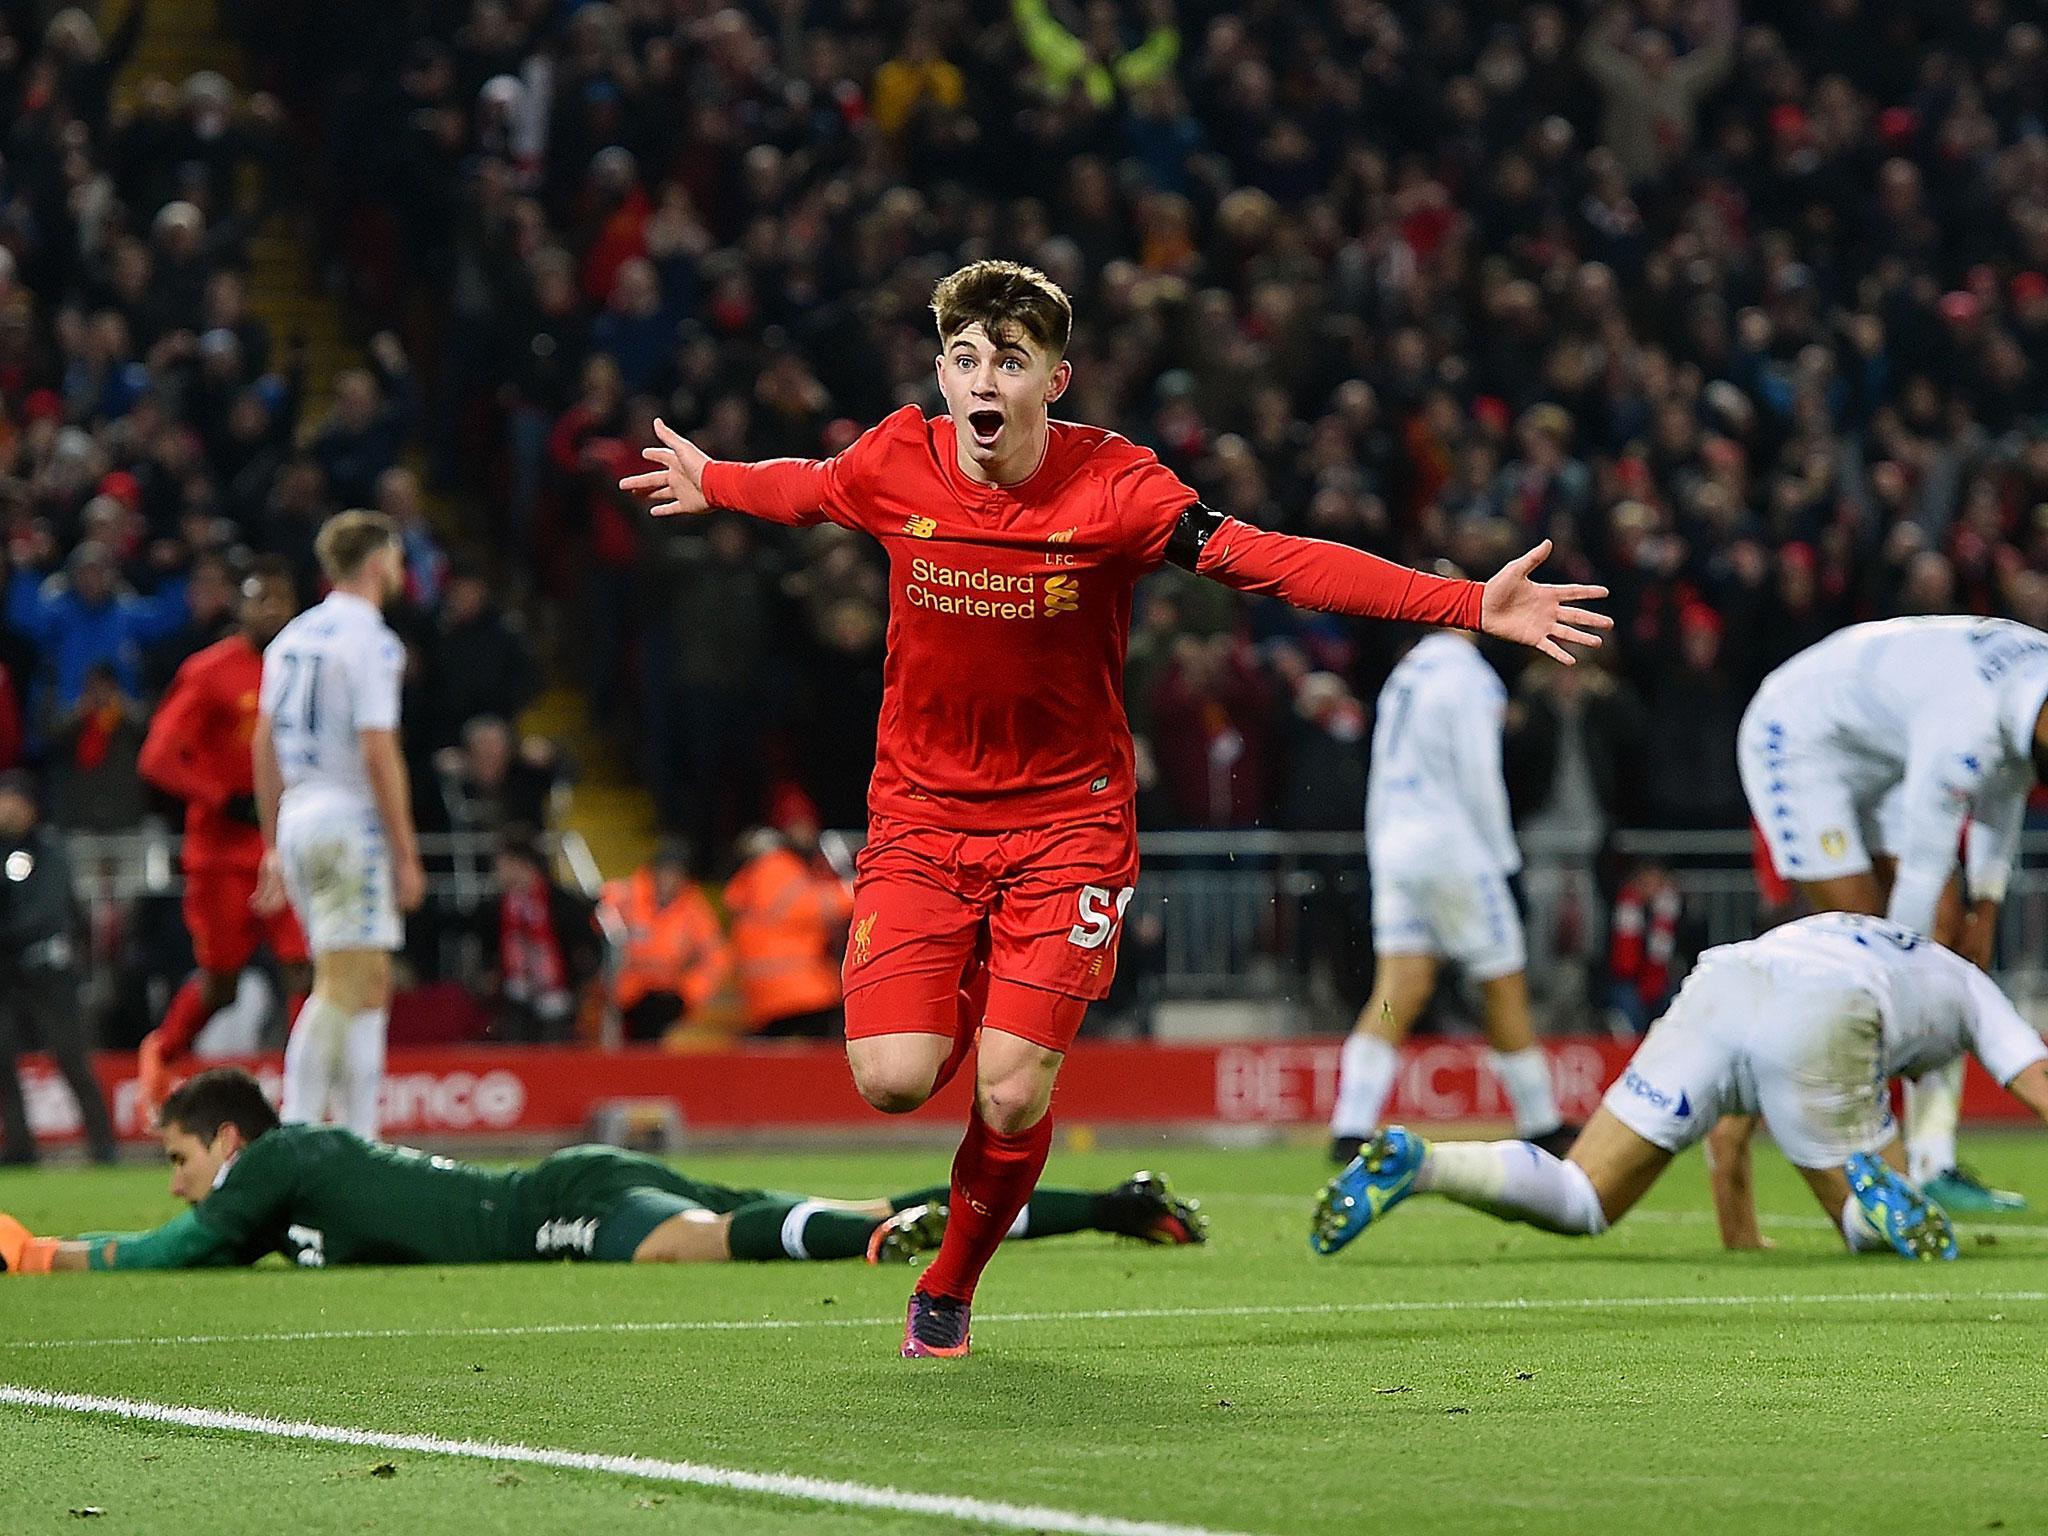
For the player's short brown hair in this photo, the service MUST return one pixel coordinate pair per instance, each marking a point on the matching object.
(1005, 298)
(347, 539)
(222, 1096)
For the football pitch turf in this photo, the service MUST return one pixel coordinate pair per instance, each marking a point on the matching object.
(1445, 1374)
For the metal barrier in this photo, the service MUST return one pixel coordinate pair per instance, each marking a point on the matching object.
(1269, 918)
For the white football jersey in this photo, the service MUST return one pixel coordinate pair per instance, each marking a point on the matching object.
(1934, 1004)
(1435, 789)
(1943, 708)
(332, 672)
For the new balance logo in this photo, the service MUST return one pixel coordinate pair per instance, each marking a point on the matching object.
(921, 527)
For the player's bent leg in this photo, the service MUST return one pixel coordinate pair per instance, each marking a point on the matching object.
(907, 1033)
(1008, 1138)
(897, 1073)
(687, 1237)
(1402, 984)
(334, 1059)
(1608, 1171)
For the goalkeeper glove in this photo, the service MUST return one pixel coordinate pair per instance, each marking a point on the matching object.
(21, 1251)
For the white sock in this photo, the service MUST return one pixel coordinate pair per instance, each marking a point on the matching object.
(793, 1226)
(311, 1057)
(1365, 1081)
(1516, 1181)
(1022, 1225)
(1934, 1105)
(364, 1073)
(1525, 1074)
(1859, 1233)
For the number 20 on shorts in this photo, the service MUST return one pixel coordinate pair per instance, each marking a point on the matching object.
(1101, 911)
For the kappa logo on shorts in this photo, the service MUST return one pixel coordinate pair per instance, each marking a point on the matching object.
(1834, 842)
(1657, 1098)
(863, 932)
(921, 527)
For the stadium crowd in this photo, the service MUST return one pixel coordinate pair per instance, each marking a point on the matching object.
(1746, 310)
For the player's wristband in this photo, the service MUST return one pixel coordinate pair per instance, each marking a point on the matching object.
(39, 1256)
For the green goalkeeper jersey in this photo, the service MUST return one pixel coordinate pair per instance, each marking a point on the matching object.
(323, 1195)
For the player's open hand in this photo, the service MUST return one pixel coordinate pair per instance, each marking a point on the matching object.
(1538, 614)
(269, 898)
(678, 485)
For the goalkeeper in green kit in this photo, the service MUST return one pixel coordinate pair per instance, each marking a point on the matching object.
(323, 1195)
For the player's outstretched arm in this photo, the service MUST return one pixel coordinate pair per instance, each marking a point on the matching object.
(1335, 578)
(184, 1242)
(687, 481)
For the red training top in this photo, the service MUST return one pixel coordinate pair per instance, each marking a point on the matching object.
(1010, 607)
(198, 749)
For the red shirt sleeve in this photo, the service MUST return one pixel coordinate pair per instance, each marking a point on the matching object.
(799, 492)
(1149, 499)
(167, 759)
(1335, 578)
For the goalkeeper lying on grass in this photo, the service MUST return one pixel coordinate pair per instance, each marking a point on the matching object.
(323, 1195)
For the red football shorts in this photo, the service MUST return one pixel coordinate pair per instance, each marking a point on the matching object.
(226, 931)
(1041, 910)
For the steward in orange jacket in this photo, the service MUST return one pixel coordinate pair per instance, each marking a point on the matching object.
(788, 917)
(674, 955)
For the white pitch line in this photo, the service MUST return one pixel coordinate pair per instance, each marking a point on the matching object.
(781, 1485)
(1093, 1315)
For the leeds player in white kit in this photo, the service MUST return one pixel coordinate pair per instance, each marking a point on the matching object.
(1441, 848)
(1863, 758)
(336, 811)
(1804, 1027)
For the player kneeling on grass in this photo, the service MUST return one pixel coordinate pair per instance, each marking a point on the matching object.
(1806, 1027)
(323, 1195)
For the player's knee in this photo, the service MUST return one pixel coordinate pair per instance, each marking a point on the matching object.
(893, 1087)
(1015, 1101)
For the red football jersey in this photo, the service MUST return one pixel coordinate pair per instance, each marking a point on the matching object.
(198, 749)
(1010, 607)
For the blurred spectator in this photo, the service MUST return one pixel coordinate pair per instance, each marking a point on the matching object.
(480, 661)
(788, 920)
(362, 434)
(86, 617)
(1324, 786)
(496, 779)
(426, 566)
(546, 944)
(1642, 954)
(671, 955)
(38, 977)
(95, 786)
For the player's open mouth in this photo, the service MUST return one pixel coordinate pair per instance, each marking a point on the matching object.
(986, 426)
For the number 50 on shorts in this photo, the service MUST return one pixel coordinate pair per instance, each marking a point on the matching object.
(1101, 910)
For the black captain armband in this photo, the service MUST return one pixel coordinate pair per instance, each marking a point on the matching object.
(1191, 535)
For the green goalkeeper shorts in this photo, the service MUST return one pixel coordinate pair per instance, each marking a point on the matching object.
(600, 1203)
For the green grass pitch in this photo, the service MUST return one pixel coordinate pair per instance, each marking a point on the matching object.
(1653, 1383)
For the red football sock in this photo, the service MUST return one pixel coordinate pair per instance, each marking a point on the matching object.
(186, 1016)
(993, 1176)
